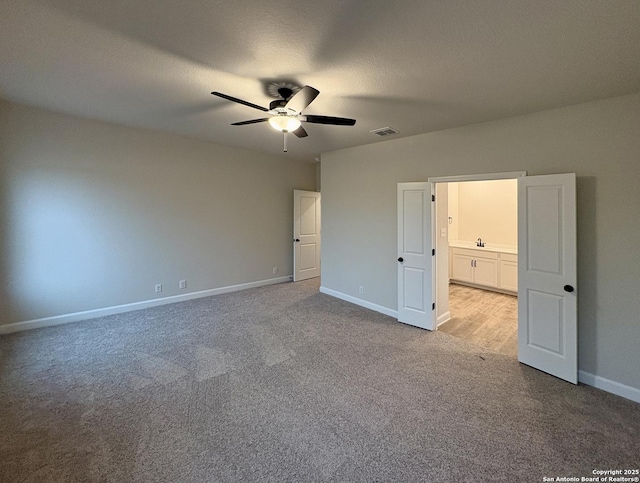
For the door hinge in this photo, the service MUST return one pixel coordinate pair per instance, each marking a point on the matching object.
(433, 197)
(433, 306)
(433, 251)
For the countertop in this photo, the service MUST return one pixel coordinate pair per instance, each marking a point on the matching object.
(487, 248)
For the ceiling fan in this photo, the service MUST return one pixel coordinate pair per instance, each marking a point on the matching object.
(286, 113)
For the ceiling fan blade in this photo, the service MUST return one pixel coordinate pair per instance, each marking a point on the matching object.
(240, 101)
(300, 132)
(338, 121)
(252, 121)
(302, 98)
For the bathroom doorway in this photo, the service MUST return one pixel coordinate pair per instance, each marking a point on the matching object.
(476, 230)
(546, 265)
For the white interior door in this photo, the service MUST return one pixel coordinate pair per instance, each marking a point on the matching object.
(306, 235)
(415, 263)
(547, 297)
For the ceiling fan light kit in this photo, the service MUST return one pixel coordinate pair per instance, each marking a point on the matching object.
(286, 113)
(284, 123)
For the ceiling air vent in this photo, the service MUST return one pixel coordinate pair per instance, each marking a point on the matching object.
(384, 131)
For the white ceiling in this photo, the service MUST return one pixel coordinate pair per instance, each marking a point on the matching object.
(415, 65)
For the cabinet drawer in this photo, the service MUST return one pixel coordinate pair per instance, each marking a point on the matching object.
(469, 252)
(508, 257)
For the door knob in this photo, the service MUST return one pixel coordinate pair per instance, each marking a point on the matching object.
(297, 240)
(568, 288)
(401, 259)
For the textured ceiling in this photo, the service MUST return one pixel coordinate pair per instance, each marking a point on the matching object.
(417, 66)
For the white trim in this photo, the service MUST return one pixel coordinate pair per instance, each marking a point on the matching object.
(608, 385)
(443, 318)
(477, 177)
(118, 309)
(484, 287)
(360, 302)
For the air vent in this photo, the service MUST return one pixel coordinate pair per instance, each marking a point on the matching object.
(384, 131)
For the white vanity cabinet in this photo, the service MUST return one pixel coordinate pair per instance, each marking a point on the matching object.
(474, 266)
(484, 267)
(508, 272)
(461, 266)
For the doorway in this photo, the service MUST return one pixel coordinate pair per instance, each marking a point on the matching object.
(546, 265)
(306, 234)
(476, 269)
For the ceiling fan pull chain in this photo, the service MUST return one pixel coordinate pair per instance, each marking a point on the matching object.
(284, 141)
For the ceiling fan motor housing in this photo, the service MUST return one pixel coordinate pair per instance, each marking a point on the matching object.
(277, 103)
(285, 92)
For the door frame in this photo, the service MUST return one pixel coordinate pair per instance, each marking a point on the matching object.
(462, 178)
(478, 177)
(458, 179)
(559, 178)
(297, 235)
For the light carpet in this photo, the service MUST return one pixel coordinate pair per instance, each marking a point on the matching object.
(283, 383)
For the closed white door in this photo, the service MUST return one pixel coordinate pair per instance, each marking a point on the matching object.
(415, 265)
(306, 235)
(547, 291)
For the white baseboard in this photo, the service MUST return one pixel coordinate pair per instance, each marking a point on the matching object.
(608, 385)
(443, 318)
(484, 287)
(360, 302)
(118, 309)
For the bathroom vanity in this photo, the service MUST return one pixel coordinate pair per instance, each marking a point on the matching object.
(489, 267)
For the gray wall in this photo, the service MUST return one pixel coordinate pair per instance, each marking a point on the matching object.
(93, 214)
(599, 141)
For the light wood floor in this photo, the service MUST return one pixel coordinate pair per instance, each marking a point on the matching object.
(486, 318)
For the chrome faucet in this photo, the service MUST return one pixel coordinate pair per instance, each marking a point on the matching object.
(480, 242)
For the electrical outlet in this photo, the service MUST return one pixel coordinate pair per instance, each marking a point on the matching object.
(158, 287)
(275, 270)
(361, 289)
(182, 284)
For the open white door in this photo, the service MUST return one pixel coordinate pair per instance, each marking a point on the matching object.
(547, 298)
(306, 235)
(415, 262)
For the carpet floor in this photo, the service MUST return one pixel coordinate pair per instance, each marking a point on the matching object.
(283, 383)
